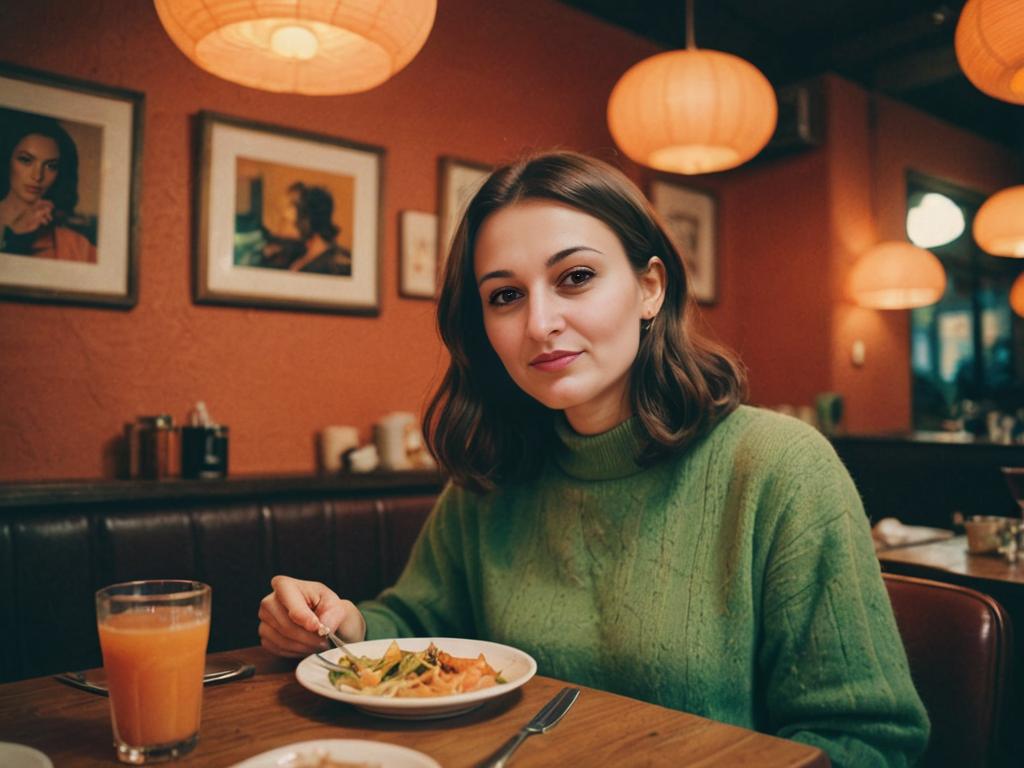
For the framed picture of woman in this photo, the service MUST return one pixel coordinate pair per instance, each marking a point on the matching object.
(287, 219)
(69, 183)
(690, 218)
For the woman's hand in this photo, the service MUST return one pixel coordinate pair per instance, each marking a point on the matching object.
(291, 615)
(32, 217)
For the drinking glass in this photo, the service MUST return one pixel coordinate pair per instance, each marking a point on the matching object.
(1014, 477)
(153, 635)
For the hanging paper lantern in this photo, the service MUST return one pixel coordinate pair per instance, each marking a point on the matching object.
(692, 111)
(897, 275)
(990, 47)
(999, 224)
(1017, 295)
(313, 47)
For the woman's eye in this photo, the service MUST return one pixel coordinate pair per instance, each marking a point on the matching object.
(503, 296)
(52, 166)
(577, 277)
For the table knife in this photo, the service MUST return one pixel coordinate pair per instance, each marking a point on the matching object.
(214, 674)
(543, 721)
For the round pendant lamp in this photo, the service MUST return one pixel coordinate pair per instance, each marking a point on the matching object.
(897, 275)
(1017, 295)
(312, 47)
(990, 47)
(692, 111)
(999, 224)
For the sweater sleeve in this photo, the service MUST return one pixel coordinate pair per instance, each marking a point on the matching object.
(832, 664)
(430, 598)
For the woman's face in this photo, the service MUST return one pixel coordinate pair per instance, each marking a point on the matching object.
(562, 308)
(34, 166)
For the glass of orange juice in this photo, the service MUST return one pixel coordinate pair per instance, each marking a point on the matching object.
(153, 635)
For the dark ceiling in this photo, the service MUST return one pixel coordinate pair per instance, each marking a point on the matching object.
(902, 48)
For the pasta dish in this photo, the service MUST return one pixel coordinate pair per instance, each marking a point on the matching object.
(430, 672)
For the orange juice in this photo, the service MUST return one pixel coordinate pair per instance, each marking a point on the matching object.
(154, 663)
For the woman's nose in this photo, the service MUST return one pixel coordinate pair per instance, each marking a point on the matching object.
(545, 318)
(37, 172)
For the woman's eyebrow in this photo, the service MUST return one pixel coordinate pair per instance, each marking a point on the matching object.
(552, 260)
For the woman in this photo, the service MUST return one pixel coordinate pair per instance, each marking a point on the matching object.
(39, 192)
(314, 209)
(614, 510)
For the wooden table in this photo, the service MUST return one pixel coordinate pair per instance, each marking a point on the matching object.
(941, 559)
(246, 717)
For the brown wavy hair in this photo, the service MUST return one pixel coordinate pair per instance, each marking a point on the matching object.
(482, 429)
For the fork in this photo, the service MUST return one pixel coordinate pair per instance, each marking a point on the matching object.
(325, 631)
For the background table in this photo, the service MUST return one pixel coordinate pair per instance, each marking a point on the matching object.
(269, 710)
(948, 559)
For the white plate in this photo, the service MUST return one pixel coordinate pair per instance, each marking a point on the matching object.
(20, 756)
(376, 753)
(514, 665)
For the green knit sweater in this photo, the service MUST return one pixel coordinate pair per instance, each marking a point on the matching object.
(735, 580)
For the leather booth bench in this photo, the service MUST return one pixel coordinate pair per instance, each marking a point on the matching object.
(61, 542)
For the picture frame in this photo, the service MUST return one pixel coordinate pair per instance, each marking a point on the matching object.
(69, 233)
(459, 180)
(418, 249)
(287, 219)
(690, 219)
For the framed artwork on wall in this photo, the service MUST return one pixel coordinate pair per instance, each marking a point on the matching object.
(287, 219)
(690, 216)
(418, 273)
(459, 181)
(69, 190)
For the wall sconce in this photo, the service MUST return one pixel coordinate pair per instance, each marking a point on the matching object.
(897, 275)
(990, 47)
(999, 224)
(313, 47)
(692, 111)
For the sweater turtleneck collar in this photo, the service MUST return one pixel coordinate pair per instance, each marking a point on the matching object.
(608, 456)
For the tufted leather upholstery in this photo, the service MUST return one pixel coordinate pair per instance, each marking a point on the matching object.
(958, 643)
(52, 562)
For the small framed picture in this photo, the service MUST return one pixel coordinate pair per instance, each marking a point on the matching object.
(459, 181)
(418, 278)
(287, 219)
(689, 216)
(69, 190)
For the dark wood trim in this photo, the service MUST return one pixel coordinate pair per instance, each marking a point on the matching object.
(241, 488)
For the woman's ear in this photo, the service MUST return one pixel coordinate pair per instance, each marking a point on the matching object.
(652, 287)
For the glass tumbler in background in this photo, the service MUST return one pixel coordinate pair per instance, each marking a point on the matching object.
(153, 635)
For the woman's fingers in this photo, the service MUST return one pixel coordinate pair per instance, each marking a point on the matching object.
(282, 645)
(37, 215)
(298, 599)
(292, 614)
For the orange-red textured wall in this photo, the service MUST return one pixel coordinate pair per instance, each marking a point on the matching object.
(868, 198)
(493, 80)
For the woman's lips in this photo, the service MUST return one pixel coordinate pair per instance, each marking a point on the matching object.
(553, 361)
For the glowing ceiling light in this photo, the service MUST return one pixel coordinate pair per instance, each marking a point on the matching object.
(294, 42)
(990, 47)
(314, 47)
(934, 221)
(1017, 295)
(897, 275)
(999, 226)
(692, 111)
